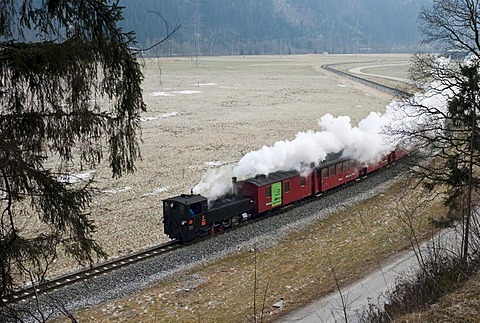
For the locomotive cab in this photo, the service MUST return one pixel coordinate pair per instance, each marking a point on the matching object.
(183, 214)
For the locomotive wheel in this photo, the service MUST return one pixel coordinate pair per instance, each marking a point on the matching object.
(227, 223)
(235, 220)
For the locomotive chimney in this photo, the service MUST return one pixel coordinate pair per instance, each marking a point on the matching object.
(234, 186)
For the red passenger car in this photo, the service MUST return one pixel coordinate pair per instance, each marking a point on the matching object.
(386, 160)
(400, 153)
(335, 173)
(276, 189)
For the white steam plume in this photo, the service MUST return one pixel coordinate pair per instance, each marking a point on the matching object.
(367, 142)
(297, 154)
(215, 183)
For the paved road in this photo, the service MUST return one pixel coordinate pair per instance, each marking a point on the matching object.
(358, 70)
(368, 290)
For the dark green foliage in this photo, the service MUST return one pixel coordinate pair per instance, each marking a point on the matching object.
(456, 147)
(68, 96)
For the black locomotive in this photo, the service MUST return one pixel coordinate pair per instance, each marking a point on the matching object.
(187, 216)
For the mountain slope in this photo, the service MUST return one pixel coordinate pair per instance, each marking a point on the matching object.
(219, 27)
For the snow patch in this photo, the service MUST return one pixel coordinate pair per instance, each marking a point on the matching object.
(121, 190)
(205, 84)
(157, 191)
(217, 163)
(187, 92)
(173, 93)
(74, 178)
(162, 94)
(162, 116)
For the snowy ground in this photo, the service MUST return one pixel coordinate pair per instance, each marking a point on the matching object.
(201, 118)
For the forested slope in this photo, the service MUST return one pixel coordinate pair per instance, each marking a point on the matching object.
(276, 26)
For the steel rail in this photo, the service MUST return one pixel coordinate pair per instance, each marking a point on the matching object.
(88, 273)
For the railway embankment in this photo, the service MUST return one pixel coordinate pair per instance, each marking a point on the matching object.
(298, 256)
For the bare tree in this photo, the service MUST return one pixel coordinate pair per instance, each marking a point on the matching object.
(449, 132)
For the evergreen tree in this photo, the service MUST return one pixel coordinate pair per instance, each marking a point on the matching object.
(453, 138)
(70, 96)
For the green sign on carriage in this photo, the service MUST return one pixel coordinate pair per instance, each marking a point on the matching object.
(276, 194)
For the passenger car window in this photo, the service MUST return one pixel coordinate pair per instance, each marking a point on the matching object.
(324, 172)
(332, 170)
(339, 168)
(268, 191)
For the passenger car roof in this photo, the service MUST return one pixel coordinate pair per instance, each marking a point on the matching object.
(261, 180)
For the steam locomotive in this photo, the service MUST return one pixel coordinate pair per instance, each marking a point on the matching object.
(188, 216)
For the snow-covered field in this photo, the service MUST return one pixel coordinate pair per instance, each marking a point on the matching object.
(201, 118)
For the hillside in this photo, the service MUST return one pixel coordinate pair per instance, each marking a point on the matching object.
(244, 27)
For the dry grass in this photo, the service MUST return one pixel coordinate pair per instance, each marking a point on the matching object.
(273, 98)
(460, 306)
(299, 268)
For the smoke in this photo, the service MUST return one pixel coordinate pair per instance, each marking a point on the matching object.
(215, 183)
(307, 147)
(373, 137)
(367, 143)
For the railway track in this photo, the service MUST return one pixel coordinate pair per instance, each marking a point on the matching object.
(135, 257)
(89, 273)
(384, 88)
